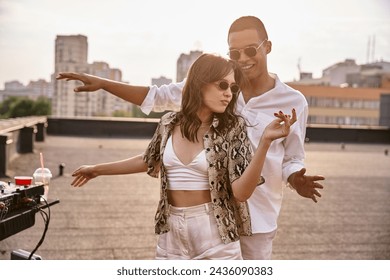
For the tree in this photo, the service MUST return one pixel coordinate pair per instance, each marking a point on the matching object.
(14, 107)
(137, 113)
(41, 107)
(21, 108)
(6, 105)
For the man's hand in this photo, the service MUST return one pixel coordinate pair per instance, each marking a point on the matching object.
(306, 186)
(90, 82)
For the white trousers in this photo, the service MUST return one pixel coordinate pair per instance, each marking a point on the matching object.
(194, 235)
(258, 246)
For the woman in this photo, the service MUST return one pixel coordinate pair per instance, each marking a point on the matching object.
(205, 162)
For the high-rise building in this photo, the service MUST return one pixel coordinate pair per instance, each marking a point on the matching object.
(184, 63)
(71, 55)
(71, 50)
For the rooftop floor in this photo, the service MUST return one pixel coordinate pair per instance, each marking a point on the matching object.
(112, 216)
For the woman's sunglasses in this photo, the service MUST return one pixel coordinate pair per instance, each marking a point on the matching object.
(235, 54)
(223, 85)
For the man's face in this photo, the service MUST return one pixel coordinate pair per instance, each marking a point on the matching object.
(253, 66)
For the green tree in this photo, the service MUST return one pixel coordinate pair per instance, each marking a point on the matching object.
(14, 107)
(121, 113)
(6, 105)
(41, 107)
(137, 113)
(21, 108)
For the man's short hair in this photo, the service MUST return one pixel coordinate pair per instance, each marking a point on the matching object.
(248, 22)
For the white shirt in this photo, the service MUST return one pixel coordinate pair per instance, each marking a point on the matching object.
(285, 156)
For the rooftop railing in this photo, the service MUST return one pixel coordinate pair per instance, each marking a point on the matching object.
(17, 136)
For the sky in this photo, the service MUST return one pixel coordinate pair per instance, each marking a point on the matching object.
(144, 38)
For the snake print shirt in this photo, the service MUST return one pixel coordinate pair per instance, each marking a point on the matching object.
(227, 156)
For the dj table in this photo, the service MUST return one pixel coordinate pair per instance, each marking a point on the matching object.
(21, 219)
(18, 206)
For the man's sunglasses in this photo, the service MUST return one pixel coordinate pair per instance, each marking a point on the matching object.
(235, 54)
(223, 85)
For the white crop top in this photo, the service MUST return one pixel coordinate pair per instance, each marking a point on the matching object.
(193, 176)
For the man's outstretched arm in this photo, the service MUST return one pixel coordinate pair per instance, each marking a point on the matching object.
(130, 93)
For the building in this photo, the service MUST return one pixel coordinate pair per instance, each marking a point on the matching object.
(33, 90)
(349, 74)
(70, 51)
(184, 63)
(71, 55)
(375, 74)
(336, 74)
(348, 94)
(41, 88)
(344, 106)
(161, 81)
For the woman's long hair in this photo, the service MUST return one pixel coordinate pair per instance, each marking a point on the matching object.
(208, 68)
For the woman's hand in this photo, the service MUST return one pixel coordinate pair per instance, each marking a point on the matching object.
(91, 83)
(280, 127)
(83, 174)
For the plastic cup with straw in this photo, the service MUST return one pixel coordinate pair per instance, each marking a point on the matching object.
(42, 176)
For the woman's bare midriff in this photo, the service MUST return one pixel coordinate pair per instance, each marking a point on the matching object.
(179, 198)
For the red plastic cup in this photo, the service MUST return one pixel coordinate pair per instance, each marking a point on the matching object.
(23, 180)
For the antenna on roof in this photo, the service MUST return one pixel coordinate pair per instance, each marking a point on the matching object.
(368, 50)
(299, 67)
(373, 49)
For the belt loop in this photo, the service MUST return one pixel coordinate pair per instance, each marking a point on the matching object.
(207, 207)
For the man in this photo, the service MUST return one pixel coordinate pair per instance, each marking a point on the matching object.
(265, 93)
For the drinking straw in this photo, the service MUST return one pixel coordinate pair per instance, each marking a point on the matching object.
(41, 158)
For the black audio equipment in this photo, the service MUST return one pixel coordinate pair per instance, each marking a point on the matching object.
(18, 205)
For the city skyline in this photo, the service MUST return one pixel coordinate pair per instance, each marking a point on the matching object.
(145, 39)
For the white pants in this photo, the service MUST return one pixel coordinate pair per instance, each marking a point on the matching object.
(258, 246)
(194, 235)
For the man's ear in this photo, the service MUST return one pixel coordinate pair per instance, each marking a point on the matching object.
(268, 47)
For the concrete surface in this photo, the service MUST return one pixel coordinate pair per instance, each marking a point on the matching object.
(112, 217)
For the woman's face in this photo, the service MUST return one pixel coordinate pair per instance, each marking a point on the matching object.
(216, 96)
